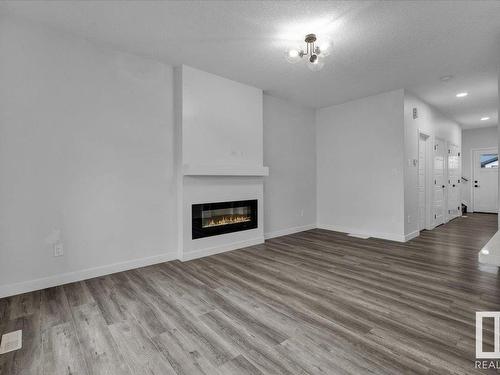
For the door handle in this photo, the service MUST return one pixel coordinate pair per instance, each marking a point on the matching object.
(453, 185)
(442, 186)
(476, 185)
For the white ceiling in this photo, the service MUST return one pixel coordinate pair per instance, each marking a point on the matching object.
(377, 46)
(481, 101)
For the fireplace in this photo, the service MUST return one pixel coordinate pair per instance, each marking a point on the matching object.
(211, 219)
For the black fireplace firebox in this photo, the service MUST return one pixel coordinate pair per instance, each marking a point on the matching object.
(211, 219)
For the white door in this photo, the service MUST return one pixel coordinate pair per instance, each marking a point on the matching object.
(454, 176)
(485, 180)
(422, 180)
(438, 195)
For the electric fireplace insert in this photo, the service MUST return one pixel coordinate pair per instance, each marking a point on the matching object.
(211, 219)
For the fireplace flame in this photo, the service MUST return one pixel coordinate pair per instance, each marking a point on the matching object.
(224, 220)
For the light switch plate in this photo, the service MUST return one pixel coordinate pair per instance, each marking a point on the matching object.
(11, 341)
(58, 249)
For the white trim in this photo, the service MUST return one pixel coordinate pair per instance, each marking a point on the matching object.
(220, 249)
(449, 217)
(384, 236)
(224, 170)
(70, 277)
(429, 191)
(412, 235)
(355, 235)
(284, 232)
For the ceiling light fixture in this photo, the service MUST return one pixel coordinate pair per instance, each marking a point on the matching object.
(462, 94)
(485, 118)
(313, 54)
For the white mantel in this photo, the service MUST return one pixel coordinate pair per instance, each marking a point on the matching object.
(225, 170)
(220, 154)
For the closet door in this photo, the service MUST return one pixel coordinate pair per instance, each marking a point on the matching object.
(454, 171)
(439, 175)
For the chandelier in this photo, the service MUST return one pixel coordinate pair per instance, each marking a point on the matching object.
(313, 54)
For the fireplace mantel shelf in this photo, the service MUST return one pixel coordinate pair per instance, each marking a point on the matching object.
(225, 170)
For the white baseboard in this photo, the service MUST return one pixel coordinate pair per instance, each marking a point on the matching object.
(284, 232)
(221, 249)
(384, 236)
(412, 235)
(70, 277)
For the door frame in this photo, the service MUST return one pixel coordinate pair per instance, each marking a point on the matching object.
(429, 158)
(471, 182)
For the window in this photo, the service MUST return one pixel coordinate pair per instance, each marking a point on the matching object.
(489, 160)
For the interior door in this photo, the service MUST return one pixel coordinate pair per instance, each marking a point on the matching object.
(485, 180)
(438, 195)
(421, 180)
(454, 172)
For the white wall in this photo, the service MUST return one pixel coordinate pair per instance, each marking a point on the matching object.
(221, 121)
(360, 166)
(86, 150)
(433, 123)
(474, 138)
(290, 153)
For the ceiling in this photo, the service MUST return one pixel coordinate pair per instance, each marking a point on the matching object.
(481, 101)
(377, 46)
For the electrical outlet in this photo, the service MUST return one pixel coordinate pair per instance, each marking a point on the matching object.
(301, 212)
(408, 219)
(58, 249)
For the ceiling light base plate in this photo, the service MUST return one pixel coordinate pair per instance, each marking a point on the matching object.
(310, 38)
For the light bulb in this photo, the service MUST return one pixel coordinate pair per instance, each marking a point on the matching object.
(315, 66)
(324, 48)
(292, 55)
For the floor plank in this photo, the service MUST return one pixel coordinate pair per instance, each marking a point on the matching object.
(61, 351)
(98, 347)
(139, 351)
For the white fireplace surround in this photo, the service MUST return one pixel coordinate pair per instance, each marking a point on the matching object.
(219, 127)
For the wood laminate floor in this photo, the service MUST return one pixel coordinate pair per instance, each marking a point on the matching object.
(316, 302)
